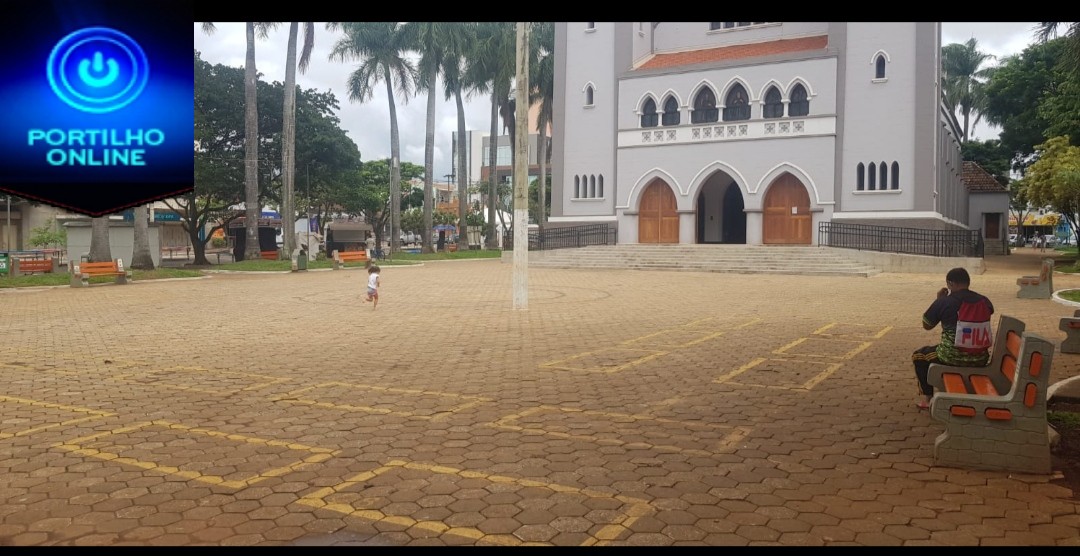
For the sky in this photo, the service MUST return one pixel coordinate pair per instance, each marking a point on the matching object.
(368, 123)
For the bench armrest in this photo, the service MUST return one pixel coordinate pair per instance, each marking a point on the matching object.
(941, 404)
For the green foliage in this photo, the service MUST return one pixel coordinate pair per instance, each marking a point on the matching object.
(1062, 420)
(64, 279)
(1054, 179)
(218, 242)
(48, 235)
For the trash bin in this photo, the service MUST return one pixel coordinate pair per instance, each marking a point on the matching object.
(301, 260)
(5, 263)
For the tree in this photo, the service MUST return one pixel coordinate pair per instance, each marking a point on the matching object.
(991, 156)
(490, 69)
(1044, 31)
(1015, 92)
(140, 256)
(963, 80)
(543, 85)
(454, 82)
(437, 42)
(380, 48)
(251, 131)
(1054, 179)
(48, 235)
(369, 193)
(288, 149)
(100, 251)
(1019, 204)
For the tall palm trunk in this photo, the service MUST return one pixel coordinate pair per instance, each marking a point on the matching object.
(288, 147)
(395, 167)
(493, 148)
(141, 257)
(462, 175)
(251, 152)
(429, 161)
(99, 240)
(541, 184)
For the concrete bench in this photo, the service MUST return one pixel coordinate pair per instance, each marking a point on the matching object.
(22, 267)
(1000, 432)
(1071, 327)
(81, 274)
(342, 257)
(1038, 287)
(996, 377)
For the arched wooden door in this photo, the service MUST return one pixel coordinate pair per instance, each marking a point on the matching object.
(787, 213)
(658, 219)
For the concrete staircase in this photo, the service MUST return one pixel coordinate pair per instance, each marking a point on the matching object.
(743, 259)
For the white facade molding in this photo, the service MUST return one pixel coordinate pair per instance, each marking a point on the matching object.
(773, 128)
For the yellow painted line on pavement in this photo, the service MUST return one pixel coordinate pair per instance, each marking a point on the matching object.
(94, 414)
(319, 454)
(134, 378)
(293, 397)
(740, 370)
(729, 440)
(876, 336)
(637, 508)
(560, 364)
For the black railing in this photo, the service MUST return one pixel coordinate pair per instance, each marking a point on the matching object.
(565, 237)
(912, 241)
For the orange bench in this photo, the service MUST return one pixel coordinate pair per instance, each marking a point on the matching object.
(342, 257)
(995, 378)
(80, 275)
(268, 255)
(20, 267)
(1038, 287)
(1005, 432)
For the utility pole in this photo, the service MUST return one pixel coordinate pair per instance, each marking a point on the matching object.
(521, 171)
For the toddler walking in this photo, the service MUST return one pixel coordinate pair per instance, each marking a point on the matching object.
(373, 286)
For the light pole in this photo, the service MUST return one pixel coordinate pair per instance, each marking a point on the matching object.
(7, 229)
(521, 172)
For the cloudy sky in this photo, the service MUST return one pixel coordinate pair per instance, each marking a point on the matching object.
(369, 125)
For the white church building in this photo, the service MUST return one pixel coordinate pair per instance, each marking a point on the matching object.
(753, 133)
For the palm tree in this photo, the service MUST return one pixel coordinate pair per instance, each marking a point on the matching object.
(380, 48)
(251, 139)
(964, 81)
(490, 69)
(435, 41)
(288, 130)
(1047, 30)
(100, 251)
(140, 257)
(543, 85)
(454, 84)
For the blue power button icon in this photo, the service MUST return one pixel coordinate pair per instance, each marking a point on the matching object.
(97, 69)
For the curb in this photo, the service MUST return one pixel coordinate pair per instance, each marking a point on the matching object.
(1063, 301)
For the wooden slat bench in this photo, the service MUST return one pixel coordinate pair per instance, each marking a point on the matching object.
(1071, 327)
(80, 275)
(995, 378)
(1038, 287)
(268, 255)
(21, 267)
(342, 257)
(1000, 432)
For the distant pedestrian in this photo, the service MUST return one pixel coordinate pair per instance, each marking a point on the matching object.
(1042, 244)
(373, 284)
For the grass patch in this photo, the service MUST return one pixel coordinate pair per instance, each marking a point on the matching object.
(446, 256)
(260, 265)
(64, 279)
(1063, 419)
(1071, 295)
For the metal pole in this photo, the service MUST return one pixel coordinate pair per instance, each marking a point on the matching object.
(521, 171)
(7, 229)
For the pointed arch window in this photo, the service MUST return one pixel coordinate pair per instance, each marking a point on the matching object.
(879, 67)
(704, 107)
(649, 117)
(800, 103)
(860, 177)
(737, 104)
(884, 175)
(872, 174)
(577, 187)
(895, 176)
(600, 187)
(588, 95)
(774, 105)
(592, 187)
(671, 111)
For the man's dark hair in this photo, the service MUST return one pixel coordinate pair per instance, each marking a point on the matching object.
(958, 276)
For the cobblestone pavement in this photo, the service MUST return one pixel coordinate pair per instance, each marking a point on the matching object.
(624, 407)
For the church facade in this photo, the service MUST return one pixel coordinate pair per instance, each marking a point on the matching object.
(752, 133)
